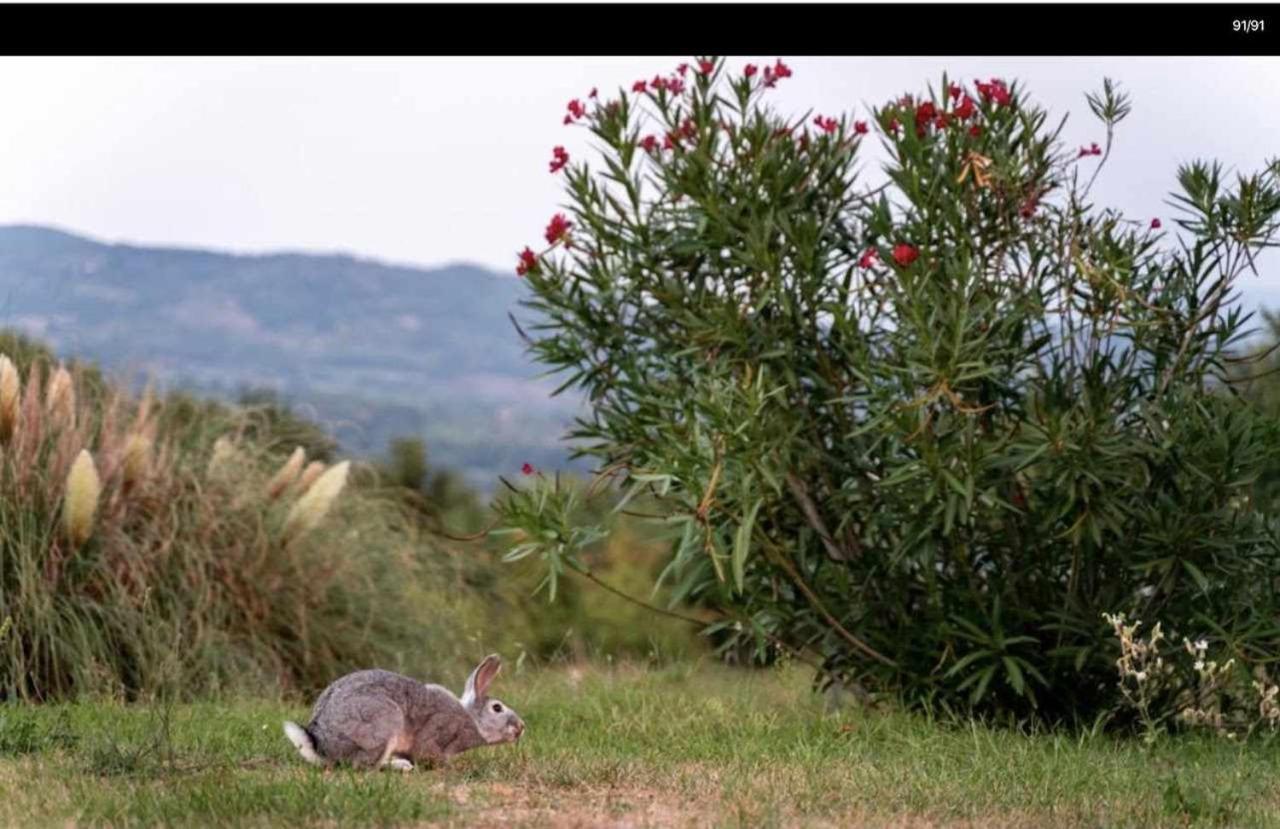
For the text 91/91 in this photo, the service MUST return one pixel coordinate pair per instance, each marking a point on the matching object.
(1254, 25)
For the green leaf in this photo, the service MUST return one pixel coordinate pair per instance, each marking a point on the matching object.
(742, 544)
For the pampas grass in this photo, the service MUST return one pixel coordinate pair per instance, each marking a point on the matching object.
(80, 504)
(136, 458)
(10, 396)
(134, 534)
(308, 477)
(287, 475)
(314, 505)
(60, 398)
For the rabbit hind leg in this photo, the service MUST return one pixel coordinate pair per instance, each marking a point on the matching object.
(395, 754)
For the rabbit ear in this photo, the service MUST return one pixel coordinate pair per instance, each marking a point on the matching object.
(478, 683)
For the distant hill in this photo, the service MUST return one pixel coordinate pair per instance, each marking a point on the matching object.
(370, 350)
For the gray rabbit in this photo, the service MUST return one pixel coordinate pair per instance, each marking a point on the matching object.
(378, 718)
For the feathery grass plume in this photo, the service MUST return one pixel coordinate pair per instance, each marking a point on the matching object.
(137, 458)
(60, 398)
(312, 507)
(10, 394)
(308, 477)
(287, 474)
(224, 450)
(81, 500)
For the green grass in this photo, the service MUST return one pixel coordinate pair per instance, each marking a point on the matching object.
(686, 745)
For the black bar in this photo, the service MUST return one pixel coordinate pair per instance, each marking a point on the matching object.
(1201, 29)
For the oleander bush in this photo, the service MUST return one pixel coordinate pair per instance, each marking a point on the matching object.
(925, 433)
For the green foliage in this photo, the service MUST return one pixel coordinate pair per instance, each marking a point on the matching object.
(928, 433)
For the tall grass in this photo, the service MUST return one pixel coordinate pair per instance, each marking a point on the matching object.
(147, 545)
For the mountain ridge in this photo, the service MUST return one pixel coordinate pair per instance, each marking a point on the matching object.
(316, 328)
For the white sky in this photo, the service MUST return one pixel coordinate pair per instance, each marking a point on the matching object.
(433, 160)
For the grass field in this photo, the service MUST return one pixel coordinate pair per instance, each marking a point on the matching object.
(694, 745)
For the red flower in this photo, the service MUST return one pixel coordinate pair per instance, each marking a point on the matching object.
(827, 125)
(954, 89)
(894, 126)
(528, 262)
(638, 86)
(869, 258)
(577, 109)
(1000, 92)
(749, 70)
(561, 158)
(675, 86)
(658, 82)
(671, 141)
(689, 129)
(996, 90)
(904, 254)
(592, 93)
(706, 67)
(527, 469)
(557, 228)
(925, 112)
(682, 68)
(1028, 208)
(965, 110)
(942, 121)
(975, 131)
(860, 127)
(1155, 224)
(568, 119)
(1092, 149)
(775, 73)
(650, 143)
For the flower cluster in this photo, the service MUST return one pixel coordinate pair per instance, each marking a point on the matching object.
(559, 159)
(528, 262)
(1092, 149)
(1143, 671)
(1202, 706)
(994, 90)
(1202, 692)
(928, 115)
(775, 73)
(904, 254)
(577, 111)
(557, 228)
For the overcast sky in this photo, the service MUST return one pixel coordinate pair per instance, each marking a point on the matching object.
(434, 160)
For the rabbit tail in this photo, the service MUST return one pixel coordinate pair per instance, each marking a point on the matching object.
(302, 740)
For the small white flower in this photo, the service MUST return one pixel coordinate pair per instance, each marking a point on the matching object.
(1199, 664)
(1141, 676)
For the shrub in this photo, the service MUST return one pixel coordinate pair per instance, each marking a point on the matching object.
(928, 432)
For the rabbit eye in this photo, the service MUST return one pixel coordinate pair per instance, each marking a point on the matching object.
(497, 708)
